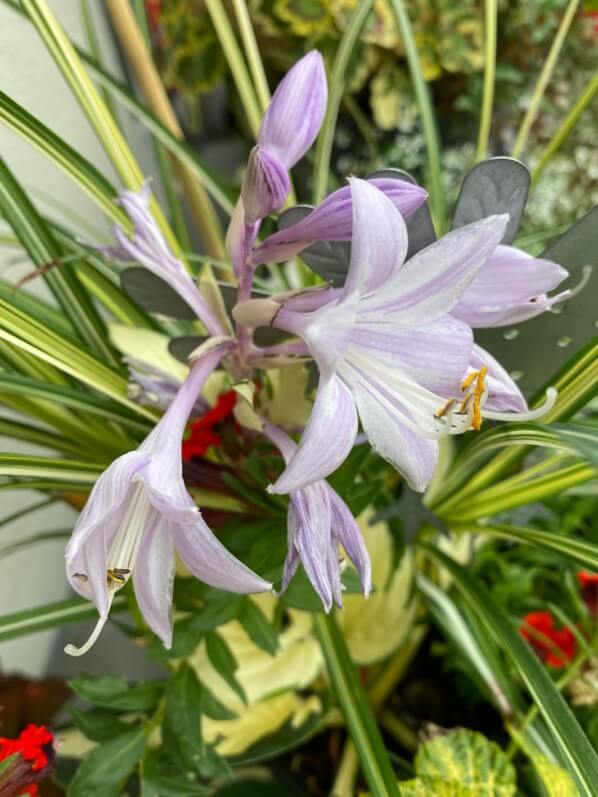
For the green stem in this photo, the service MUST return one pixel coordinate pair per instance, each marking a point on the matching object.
(357, 711)
(489, 78)
(236, 62)
(337, 85)
(544, 78)
(428, 120)
(566, 127)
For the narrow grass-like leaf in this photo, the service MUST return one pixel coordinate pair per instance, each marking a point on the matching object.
(490, 20)
(44, 251)
(356, 709)
(344, 52)
(576, 752)
(426, 110)
(52, 615)
(26, 465)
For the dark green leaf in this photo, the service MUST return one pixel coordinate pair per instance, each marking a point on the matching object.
(113, 692)
(223, 661)
(108, 765)
(99, 726)
(258, 627)
(181, 729)
(162, 778)
(153, 294)
(213, 708)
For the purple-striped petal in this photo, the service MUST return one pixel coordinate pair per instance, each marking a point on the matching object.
(413, 456)
(266, 185)
(327, 440)
(206, 557)
(435, 355)
(346, 531)
(379, 240)
(510, 287)
(153, 579)
(333, 220)
(294, 117)
(432, 282)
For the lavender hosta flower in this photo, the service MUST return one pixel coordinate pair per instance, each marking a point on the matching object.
(388, 349)
(139, 512)
(332, 220)
(318, 522)
(152, 387)
(289, 128)
(148, 248)
(512, 286)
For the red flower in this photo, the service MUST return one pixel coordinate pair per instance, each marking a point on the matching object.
(588, 583)
(33, 747)
(202, 435)
(555, 646)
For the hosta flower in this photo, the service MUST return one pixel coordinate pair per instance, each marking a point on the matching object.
(288, 129)
(511, 286)
(388, 349)
(318, 522)
(332, 220)
(149, 249)
(139, 512)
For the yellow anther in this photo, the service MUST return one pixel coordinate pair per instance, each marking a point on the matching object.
(476, 419)
(468, 380)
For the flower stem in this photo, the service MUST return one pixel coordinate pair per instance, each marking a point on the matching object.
(489, 78)
(544, 78)
(566, 127)
(356, 709)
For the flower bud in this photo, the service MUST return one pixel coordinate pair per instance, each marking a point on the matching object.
(265, 187)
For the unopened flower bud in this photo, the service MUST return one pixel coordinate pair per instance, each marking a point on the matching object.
(265, 187)
(256, 312)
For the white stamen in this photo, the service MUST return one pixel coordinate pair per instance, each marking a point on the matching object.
(531, 415)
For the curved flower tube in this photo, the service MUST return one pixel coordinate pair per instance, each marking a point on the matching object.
(318, 522)
(148, 247)
(139, 512)
(511, 286)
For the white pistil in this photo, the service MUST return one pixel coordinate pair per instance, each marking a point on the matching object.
(121, 557)
(530, 415)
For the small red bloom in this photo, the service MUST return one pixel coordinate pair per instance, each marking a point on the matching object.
(588, 583)
(33, 746)
(202, 435)
(555, 646)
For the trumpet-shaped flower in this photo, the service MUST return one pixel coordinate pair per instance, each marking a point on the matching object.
(318, 522)
(288, 129)
(510, 287)
(388, 349)
(138, 512)
(148, 247)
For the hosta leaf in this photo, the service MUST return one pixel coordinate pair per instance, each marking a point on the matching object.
(181, 347)
(536, 349)
(467, 758)
(419, 226)
(497, 185)
(113, 692)
(153, 294)
(557, 782)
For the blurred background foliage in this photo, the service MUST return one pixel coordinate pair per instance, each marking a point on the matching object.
(379, 121)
